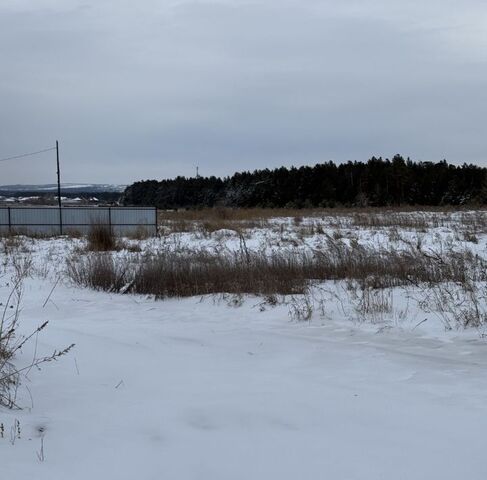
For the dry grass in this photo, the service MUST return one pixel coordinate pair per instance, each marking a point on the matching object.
(11, 244)
(170, 274)
(101, 239)
(188, 273)
(242, 214)
(100, 271)
(209, 220)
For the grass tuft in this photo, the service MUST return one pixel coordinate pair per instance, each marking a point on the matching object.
(101, 239)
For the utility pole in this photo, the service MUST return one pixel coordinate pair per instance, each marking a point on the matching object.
(58, 176)
(59, 189)
(197, 172)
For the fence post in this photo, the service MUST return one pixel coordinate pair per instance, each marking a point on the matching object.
(9, 221)
(156, 221)
(60, 221)
(110, 219)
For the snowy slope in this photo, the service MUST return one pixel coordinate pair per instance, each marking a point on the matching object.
(213, 388)
(200, 390)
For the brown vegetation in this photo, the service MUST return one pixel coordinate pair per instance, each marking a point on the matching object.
(187, 273)
(101, 238)
(208, 220)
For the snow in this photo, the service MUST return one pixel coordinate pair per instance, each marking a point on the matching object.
(212, 388)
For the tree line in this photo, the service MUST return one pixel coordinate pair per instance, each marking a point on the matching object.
(377, 182)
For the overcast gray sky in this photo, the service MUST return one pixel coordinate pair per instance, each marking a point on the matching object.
(149, 89)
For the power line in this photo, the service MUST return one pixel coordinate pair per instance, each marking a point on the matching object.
(27, 154)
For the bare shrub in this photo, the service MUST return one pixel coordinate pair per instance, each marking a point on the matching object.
(11, 343)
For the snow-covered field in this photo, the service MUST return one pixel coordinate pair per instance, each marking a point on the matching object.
(231, 387)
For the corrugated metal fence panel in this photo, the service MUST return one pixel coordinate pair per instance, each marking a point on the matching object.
(4, 221)
(45, 220)
(4, 216)
(133, 216)
(85, 216)
(34, 216)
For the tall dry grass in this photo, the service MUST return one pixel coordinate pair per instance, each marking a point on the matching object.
(101, 238)
(187, 273)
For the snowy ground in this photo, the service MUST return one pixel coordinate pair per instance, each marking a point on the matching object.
(205, 389)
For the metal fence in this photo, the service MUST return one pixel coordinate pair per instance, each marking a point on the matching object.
(58, 221)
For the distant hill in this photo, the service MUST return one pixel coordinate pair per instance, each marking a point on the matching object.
(66, 188)
(71, 193)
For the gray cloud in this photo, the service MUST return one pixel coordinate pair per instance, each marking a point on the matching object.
(149, 91)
